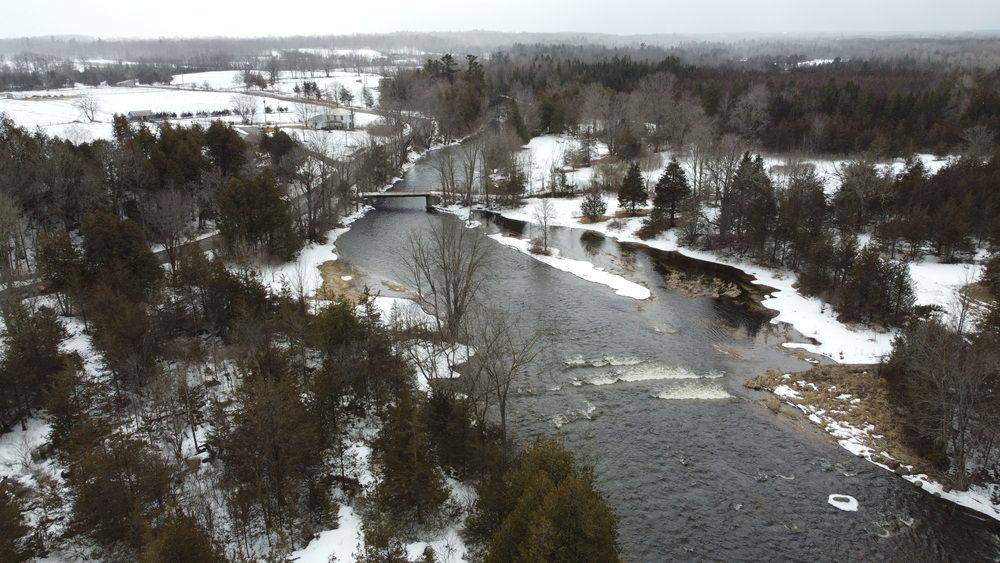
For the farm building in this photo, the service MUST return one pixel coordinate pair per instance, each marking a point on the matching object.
(140, 115)
(336, 118)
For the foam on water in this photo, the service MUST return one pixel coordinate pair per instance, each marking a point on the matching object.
(604, 361)
(649, 373)
(704, 392)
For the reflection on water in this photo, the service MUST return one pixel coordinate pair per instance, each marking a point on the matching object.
(694, 470)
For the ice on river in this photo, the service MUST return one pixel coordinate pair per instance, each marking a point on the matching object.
(843, 502)
(580, 268)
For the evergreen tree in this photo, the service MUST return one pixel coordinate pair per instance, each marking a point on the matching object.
(410, 486)
(367, 97)
(876, 290)
(254, 216)
(181, 540)
(116, 255)
(30, 362)
(593, 207)
(119, 485)
(549, 511)
(381, 541)
(60, 266)
(225, 147)
(14, 544)
(670, 190)
(271, 445)
(632, 193)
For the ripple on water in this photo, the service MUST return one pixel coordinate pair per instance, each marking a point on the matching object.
(648, 372)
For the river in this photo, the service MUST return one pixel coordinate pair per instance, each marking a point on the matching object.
(651, 393)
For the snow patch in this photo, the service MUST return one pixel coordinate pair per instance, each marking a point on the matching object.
(580, 268)
(843, 502)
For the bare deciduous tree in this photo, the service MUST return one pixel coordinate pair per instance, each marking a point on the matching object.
(168, 219)
(543, 213)
(469, 156)
(948, 388)
(305, 112)
(504, 348)
(443, 163)
(447, 266)
(14, 249)
(245, 107)
(980, 142)
(88, 106)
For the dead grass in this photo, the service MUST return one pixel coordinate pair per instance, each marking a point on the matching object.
(335, 286)
(773, 404)
(590, 221)
(873, 407)
(616, 224)
(978, 292)
(624, 213)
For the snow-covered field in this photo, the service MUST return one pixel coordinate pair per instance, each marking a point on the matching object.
(231, 80)
(55, 112)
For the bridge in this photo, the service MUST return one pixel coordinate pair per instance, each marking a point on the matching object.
(431, 197)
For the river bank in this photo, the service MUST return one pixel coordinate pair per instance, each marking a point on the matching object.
(851, 403)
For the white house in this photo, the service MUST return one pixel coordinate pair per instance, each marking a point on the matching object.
(334, 118)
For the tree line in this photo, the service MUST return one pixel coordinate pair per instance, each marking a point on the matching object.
(887, 107)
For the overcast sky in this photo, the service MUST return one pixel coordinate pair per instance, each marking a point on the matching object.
(189, 18)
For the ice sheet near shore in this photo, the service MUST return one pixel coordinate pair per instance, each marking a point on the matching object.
(580, 268)
(933, 283)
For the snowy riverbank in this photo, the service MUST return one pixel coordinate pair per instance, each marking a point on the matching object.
(934, 284)
(848, 404)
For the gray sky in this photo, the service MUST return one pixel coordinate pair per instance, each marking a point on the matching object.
(189, 18)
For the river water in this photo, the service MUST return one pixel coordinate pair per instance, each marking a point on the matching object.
(650, 392)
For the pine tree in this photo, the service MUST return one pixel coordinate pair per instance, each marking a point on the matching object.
(116, 254)
(410, 486)
(31, 360)
(550, 511)
(593, 207)
(670, 190)
(632, 193)
(14, 546)
(181, 539)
